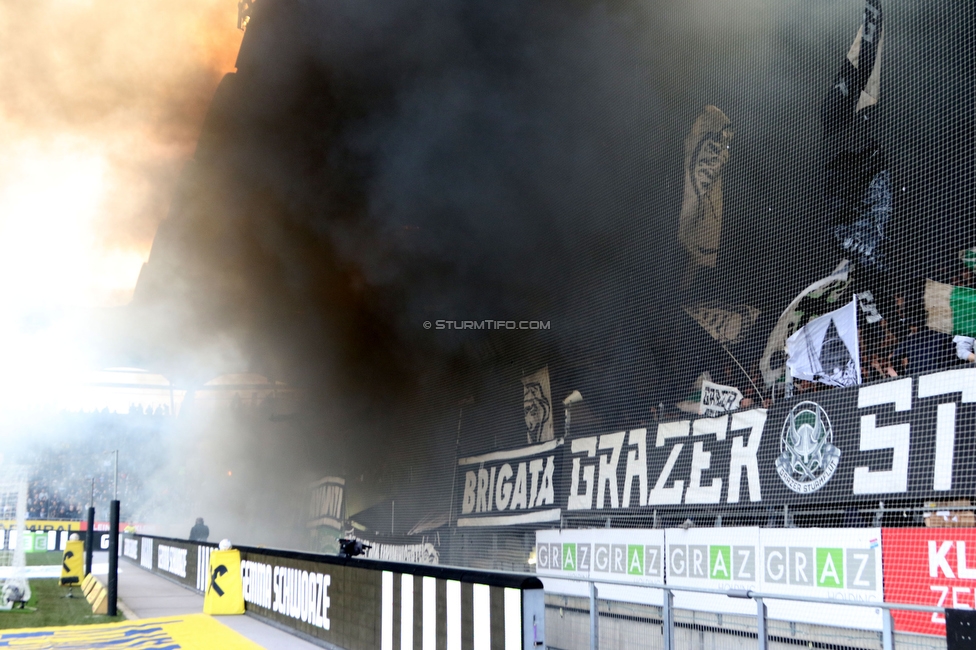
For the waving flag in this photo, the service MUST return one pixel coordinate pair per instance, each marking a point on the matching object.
(826, 349)
(950, 309)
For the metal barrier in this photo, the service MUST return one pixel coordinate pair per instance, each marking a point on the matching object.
(358, 604)
(762, 635)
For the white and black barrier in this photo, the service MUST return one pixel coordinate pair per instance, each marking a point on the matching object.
(359, 604)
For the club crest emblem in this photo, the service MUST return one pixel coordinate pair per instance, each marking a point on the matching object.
(807, 457)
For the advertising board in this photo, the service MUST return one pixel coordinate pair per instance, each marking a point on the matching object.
(620, 555)
(713, 558)
(840, 564)
(929, 566)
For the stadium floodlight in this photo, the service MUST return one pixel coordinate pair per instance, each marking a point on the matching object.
(14, 587)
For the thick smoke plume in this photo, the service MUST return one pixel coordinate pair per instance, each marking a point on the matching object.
(372, 165)
(375, 165)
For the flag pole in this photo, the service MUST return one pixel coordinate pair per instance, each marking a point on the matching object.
(758, 392)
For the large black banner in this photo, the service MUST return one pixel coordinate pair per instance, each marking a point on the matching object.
(910, 437)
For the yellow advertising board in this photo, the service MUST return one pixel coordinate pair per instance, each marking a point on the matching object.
(191, 632)
(73, 563)
(225, 593)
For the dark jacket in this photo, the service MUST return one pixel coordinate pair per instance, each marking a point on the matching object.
(199, 533)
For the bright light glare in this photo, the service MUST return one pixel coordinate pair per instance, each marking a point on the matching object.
(54, 267)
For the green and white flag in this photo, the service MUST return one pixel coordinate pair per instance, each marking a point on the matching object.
(968, 258)
(950, 309)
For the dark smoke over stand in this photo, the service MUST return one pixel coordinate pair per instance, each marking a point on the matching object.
(372, 166)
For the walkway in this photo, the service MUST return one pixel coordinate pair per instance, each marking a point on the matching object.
(145, 595)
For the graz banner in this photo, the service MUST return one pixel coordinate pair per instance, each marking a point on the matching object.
(618, 554)
(714, 558)
(844, 565)
(836, 563)
(904, 437)
(514, 486)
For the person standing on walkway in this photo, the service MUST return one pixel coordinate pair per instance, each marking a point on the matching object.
(199, 532)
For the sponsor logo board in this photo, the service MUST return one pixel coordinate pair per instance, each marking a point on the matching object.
(929, 566)
(622, 555)
(171, 559)
(840, 564)
(714, 558)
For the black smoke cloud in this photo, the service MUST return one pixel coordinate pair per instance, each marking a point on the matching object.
(373, 165)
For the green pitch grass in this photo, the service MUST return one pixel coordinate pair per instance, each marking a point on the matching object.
(47, 608)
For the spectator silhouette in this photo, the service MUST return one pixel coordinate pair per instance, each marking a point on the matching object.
(199, 532)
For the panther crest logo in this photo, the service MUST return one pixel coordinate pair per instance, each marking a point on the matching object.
(808, 459)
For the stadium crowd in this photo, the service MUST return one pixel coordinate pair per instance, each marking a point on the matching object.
(70, 461)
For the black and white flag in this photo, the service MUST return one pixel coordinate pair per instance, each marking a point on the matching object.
(826, 349)
(537, 406)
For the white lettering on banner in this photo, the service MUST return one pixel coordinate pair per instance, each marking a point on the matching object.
(130, 548)
(491, 487)
(661, 495)
(944, 383)
(146, 558)
(424, 553)
(700, 461)
(608, 467)
(171, 559)
(256, 581)
(943, 592)
(896, 437)
(745, 456)
(629, 555)
(528, 492)
(636, 466)
(938, 561)
(600, 457)
(583, 501)
(300, 595)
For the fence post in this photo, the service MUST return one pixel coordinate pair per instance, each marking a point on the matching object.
(113, 558)
(761, 624)
(887, 630)
(667, 619)
(90, 540)
(594, 618)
